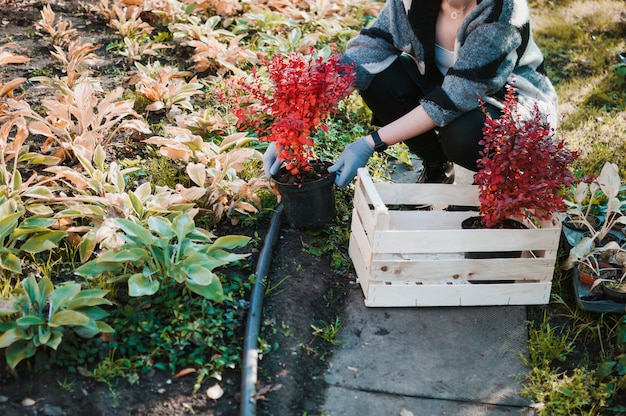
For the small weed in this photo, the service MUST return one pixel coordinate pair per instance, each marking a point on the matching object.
(109, 369)
(286, 330)
(66, 385)
(545, 345)
(328, 331)
(272, 289)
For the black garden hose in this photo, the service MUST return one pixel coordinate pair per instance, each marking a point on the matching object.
(253, 325)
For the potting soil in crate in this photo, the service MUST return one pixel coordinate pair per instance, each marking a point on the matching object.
(405, 256)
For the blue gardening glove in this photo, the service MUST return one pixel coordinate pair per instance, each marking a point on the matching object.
(354, 156)
(271, 163)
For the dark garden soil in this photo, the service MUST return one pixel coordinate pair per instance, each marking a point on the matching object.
(304, 291)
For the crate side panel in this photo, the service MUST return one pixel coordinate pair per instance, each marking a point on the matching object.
(362, 269)
(363, 213)
(412, 295)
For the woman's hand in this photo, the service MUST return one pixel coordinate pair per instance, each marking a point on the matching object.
(354, 156)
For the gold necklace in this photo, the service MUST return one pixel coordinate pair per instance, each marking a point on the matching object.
(455, 14)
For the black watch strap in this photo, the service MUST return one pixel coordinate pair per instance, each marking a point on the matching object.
(379, 145)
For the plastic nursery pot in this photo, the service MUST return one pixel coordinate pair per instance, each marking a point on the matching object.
(614, 290)
(476, 223)
(593, 220)
(588, 277)
(309, 204)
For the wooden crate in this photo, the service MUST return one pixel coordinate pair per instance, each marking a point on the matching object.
(406, 257)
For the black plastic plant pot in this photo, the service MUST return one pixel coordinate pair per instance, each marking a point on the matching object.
(309, 204)
(475, 222)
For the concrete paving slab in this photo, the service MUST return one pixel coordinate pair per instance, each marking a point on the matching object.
(356, 402)
(464, 354)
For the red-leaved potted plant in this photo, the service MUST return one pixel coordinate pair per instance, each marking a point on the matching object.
(286, 105)
(524, 169)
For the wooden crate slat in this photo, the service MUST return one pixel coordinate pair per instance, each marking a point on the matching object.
(359, 238)
(427, 193)
(363, 215)
(433, 241)
(460, 269)
(365, 185)
(360, 266)
(412, 295)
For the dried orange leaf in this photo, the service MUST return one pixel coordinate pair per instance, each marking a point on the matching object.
(184, 372)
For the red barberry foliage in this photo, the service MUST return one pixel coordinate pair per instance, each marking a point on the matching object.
(304, 90)
(524, 168)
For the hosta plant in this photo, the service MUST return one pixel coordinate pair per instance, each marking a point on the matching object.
(167, 252)
(40, 314)
(524, 167)
(18, 234)
(606, 187)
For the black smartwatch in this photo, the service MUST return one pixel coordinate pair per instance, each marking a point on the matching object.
(379, 145)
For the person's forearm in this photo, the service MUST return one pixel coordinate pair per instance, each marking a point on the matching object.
(412, 124)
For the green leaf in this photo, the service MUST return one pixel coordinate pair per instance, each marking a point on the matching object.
(132, 229)
(87, 245)
(42, 192)
(139, 285)
(161, 226)
(55, 339)
(8, 224)
(229, 242)
(132, 254)
(87, 331)
(95, 268)
(183, 225)
(136, 203)
(12, 336)
(29, 320)
(39, 210)
(212, 292)
(44, 334)
(18, 352)
(200, 275)
(43, 242)
(10, 262)
(94, 312)
(8, 307)
(82, 211)
(36, 224)
(62, 295)
(69, 318)
(17, 180)
(89, 297)
(105, 328)
(565, 391)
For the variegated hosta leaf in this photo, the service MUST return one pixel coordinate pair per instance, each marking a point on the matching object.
(579, 252)
(609, 180)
